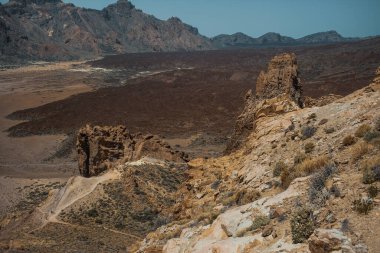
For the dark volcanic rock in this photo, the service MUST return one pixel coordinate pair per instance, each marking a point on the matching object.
(278, 90)
(99, 148)
(53, 30)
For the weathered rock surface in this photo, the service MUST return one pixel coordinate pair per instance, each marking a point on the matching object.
(278, 90)
(332, 240)
(99, 148)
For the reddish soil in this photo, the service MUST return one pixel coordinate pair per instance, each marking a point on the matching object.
(205, 98)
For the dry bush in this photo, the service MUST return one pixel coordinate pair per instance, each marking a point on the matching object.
(362, 130)
(305, 168)
(371, 170)
(308, 131)
(310, 166)
(309, 147)
(279, 168)
(349, 140)
(359, 150)
(363, 205)
(299, 158)
(372, 191)
(371, 136)
(246, 196)
(329, 130)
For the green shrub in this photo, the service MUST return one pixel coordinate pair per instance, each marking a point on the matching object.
(279, 168)
(302, 225)
(362, 130)
(309, 147)
(349, 140)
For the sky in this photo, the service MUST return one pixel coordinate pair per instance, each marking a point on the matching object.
(295, 18)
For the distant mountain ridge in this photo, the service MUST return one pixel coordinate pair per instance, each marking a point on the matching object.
(53, 30)
(276, 39)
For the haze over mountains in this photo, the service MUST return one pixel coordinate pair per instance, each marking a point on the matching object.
(53, 30)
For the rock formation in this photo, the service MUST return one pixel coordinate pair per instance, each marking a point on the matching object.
(100, 147)
(278, 90)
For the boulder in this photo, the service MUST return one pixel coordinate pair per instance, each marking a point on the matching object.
(332, 240)
(99, 148)
(278, 90)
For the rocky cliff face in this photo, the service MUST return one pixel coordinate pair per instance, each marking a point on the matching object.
(278, 90)
(53, 30)
(240, 202)
(100, 148)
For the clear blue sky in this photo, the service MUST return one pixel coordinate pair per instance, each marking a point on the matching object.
(294, 18)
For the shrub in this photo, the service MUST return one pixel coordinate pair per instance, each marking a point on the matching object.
(372, 191)
(363, 205)
(359, 150)
(309, 147)
(279, 168)
(312, 116)
(345, 225)
(348, 140)
(369, 136)
(302, 225)
(371, 171)
(329, 130)
(299, 158)
(260, 221)
(317, 190)
(307, 132)
(246, 196)
(305, 168)
(362, 130)
(309, 166)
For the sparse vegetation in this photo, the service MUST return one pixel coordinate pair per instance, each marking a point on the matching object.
(371, 135)
(305, 168)
(329, 130)
(309, 147)
(371, 170)
(279, 168)
(299, 158)
(318, 193)
(312, 116)
(359, 150)
(260, 221)
(302, 224)
(348, 140)
(246, 196)
(362, 130)
(372, 191)
(308, 131)
(363, 205)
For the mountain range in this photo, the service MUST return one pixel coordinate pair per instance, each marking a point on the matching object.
(276, 39)
(54, 30)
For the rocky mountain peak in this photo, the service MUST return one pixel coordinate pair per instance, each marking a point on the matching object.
(278, 90)
(280, 78)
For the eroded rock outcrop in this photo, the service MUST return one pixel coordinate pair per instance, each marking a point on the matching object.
(278, 90)
(100, 147)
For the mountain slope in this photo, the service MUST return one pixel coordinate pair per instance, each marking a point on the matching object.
(51, 29)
